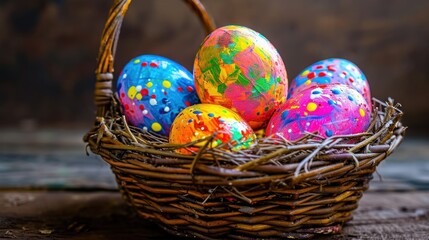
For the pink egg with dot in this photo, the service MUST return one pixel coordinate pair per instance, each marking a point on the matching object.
(328, 110)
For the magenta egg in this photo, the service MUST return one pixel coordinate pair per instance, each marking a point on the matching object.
(328, 109)
(332, 70)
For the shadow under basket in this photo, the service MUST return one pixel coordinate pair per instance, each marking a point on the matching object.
(278, 189)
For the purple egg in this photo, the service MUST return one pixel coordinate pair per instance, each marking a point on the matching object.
(153, 90)
(328, 109)
(332, 70)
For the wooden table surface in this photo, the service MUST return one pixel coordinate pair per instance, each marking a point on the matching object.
(50, 189)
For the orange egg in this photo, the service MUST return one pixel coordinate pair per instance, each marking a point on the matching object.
(203, 120)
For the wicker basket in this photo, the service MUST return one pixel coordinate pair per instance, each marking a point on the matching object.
(276, 190)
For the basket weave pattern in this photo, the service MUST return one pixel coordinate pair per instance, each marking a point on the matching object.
(278, 189)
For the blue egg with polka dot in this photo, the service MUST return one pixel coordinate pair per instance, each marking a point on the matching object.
(153, 90)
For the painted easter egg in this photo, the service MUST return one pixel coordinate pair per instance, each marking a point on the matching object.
(240, 69)
(202, 120)
(332, 70)
(329, 109)
(153, 90)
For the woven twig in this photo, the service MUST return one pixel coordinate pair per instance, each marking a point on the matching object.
(288, 196)
(277, 189)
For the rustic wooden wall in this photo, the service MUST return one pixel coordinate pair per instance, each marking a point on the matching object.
(48, 47)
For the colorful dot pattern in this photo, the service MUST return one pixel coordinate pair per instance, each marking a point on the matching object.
(332, 70)
(202, 120)
(240, 69)
(328, 109)
(153, 90)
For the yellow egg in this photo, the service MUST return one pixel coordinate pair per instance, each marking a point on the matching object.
(203, 120)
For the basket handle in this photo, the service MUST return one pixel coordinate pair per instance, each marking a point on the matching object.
(104, 72)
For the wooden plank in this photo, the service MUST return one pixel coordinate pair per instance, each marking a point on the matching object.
(50, 159)
(407, 166)
(104, 215)
(77, 215)
(391, 215)
(62, 170)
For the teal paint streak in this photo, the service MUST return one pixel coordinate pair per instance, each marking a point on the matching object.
(227, 58)
(236, 135)
(261, 86)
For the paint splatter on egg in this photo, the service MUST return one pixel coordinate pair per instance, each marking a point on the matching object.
(332, 70)
(240, 69)
(202, 120)
(334, 109)
(153, 90)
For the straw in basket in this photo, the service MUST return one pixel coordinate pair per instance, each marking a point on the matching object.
(278, 189)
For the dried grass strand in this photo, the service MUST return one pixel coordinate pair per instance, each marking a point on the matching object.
(276, 189)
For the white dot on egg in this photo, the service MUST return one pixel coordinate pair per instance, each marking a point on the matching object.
(153, 101)
(272, 126)
(125, 75)
(202, 128)
(162, 90)
(139, 88)
(307, 124)
(289, 130)
(342, 75)
(154, 90)
(166, 109)
(145, 128)
(145, 112)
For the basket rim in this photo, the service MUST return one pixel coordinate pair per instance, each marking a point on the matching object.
(385, 134)
(184, 194)
(277, 188)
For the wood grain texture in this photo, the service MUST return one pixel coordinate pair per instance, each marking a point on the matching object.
(38, 160)
(104, 215)
(391, 216)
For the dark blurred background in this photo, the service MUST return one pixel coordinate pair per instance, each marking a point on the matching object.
(49, 48)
